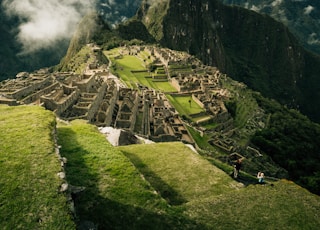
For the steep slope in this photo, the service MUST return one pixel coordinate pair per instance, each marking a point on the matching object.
(168, 186)
(117, 11)
(249, 47)
(301, 17)
(89, 29)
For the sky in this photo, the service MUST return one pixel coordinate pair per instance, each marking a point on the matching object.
(46, 22)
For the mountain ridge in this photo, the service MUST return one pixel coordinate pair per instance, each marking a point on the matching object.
(301, 17)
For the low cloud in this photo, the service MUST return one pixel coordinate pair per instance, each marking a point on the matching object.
(308, 10)
(46, 22)
(276, 3)
(313, 39)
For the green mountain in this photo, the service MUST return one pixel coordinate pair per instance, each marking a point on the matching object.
(301, 17)
(248, 46)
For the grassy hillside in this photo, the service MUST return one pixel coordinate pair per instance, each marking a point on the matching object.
(168, 186)
(29, 185)
(157, 186)
(116, 196)
(177, 173)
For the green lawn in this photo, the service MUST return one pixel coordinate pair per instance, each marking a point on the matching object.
(126, 66)
(178, 173)
(29, 185)
(213, 200)
(183, 105)
(164, 86)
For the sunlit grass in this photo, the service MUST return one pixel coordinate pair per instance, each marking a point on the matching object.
(185, 105)
(114, 187)
(176, 171)
(157, 186)
(29, 185)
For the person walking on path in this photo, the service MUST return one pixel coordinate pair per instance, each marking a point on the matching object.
(236, 168)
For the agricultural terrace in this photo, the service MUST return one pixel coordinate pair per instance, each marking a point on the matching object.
(186, 106)
(134, 70)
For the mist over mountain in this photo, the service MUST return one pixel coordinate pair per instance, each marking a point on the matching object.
(36, 34)
(301, 16)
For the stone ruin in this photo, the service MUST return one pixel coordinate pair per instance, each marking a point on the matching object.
(98, 97)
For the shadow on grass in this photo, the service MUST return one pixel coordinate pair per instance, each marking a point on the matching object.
(93, 209)
(165, 190)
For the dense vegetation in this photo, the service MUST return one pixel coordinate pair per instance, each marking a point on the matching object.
(292, 140)
(301, 17)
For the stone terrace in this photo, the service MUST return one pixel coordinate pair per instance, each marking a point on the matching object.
(97, 96)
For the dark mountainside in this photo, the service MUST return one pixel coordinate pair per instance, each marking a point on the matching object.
(301, 17)
(249, 47)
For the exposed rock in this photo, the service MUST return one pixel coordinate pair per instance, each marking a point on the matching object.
(76, 189)
(61, 175)
(127, 138)
(64, 187)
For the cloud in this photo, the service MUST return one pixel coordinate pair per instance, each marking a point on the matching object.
(46, 22)
(276, 3)
(313, 39)
(308, 9)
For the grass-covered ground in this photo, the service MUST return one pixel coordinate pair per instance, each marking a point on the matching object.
(186, 106)
(214, 200)
(126, 67)
(29, 185)
(157, 186)
(168, 186)
(116, 196)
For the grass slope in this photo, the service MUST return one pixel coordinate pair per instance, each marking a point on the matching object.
(156, 186)
(282, 206)
(29, 197)
(179, 174)
(116, 195)
(211, 198)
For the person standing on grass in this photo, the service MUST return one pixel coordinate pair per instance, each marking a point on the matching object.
(260, 177)
(236, 168)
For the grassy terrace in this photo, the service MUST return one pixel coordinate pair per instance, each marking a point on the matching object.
(185, 105)
(156, 186)
(133, 69)
(29, 185)
(117, 195)
(213, 200)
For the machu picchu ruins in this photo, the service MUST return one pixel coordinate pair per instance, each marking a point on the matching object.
(103, 99)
